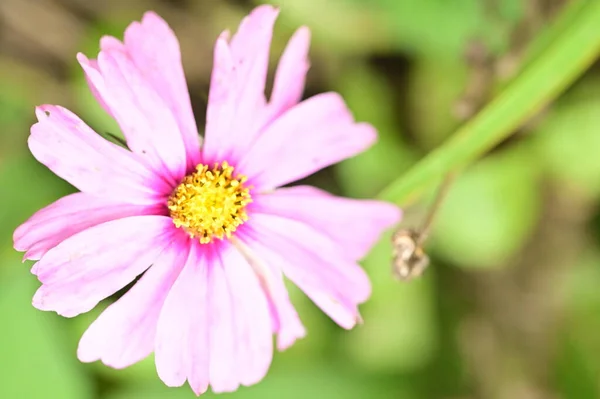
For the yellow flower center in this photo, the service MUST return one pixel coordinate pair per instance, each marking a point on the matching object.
(210, 204)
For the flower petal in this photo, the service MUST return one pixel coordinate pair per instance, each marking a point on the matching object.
(288, 326)
(93, 264)
(215, 325)
(252, 320)
(163, 70)
(125, 332)
(73, 151)
(92, 70)
(285, 320)
(145, 119)
(223, 367)
(237, 87)
(291, 74)
(355, 225)
(314, 134)
(182, 342)
(68, 216)
(314, 263)
(93, 65)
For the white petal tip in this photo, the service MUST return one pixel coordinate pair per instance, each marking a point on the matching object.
(82, 59)
(199, 390)
(284, 343)
(39, 301)
(86, 356)
(151, 16)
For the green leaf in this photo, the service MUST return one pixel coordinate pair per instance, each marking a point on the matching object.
(568, 139)
(31, 186)
(574, 378)
(441, 29)
(573, 51)
(577, 368)
(36, 361)
(490, 210)
(547, 37)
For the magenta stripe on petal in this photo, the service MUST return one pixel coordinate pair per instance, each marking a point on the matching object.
(94, 264)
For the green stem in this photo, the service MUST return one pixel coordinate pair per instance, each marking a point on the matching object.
(553, 70)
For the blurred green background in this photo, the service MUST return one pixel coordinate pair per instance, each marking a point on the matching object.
(509, 308)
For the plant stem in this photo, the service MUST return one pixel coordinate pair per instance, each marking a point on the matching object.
(541, 81)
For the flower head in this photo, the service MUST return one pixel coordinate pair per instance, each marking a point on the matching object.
(208, 227)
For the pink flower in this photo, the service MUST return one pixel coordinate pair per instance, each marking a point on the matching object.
(208, 226)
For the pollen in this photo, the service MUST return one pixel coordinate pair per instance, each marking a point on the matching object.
(210, 203)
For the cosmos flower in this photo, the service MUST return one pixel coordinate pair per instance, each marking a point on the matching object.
(209, 227)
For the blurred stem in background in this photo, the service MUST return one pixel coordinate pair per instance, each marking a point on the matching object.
(562, 54)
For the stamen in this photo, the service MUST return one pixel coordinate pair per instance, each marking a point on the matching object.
(210, 204)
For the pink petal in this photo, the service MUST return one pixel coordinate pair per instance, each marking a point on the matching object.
(94, 264)
(125, 332)
(221, 109)
(236, 96)
(93, 65)
(355, 225)
(314, 134)
(68, 216)
(215, 326)
(223, 366)
(252, 320)
(154, 49)
(111, 43)
(291, 74)
(288, 326)
(182, 341)
(314, 263)
(145, 119)
(73, 151)
(285, 320)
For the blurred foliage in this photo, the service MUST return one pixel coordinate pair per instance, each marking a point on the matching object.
(539, 82)
(510, 306)
(496, 204)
